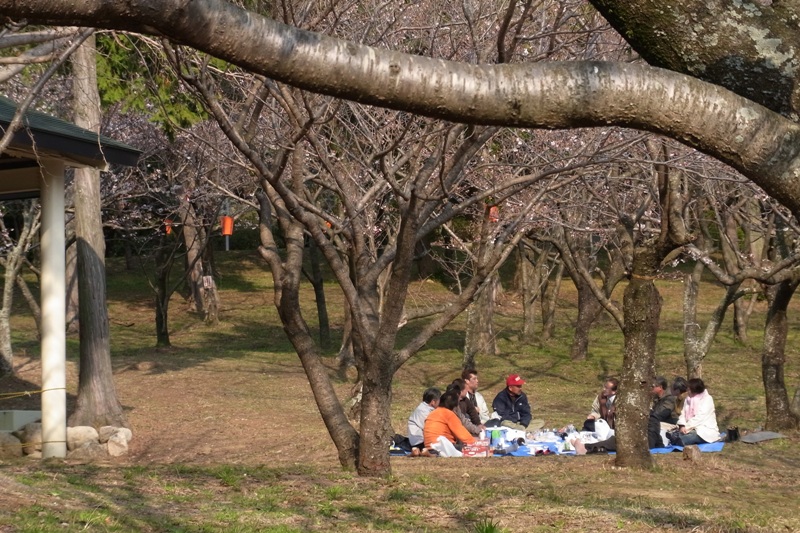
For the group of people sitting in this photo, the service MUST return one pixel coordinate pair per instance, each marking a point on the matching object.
(682, 414)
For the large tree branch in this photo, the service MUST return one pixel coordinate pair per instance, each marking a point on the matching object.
(750, 48)
(757, 142)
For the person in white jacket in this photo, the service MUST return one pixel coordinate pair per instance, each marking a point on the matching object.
(470, 377)
(698, 421)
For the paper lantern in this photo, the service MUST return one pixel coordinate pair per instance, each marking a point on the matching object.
(227, 225)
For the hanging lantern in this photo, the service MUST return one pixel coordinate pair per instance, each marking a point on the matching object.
(227, 225)
(494, 214)
(168, 226)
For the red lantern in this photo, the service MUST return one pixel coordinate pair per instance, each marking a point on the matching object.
(168, 225)
(494, 214)
(227, 225)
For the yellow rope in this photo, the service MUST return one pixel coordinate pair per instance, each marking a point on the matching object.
(26, 393)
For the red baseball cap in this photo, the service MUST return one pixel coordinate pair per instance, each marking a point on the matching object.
(514, 379)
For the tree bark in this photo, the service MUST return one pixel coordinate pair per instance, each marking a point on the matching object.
(193, 238)
(749, 56)
(750, 138)
(375, 428)
(533, 275)
(779, 413)
(642, 308)
(691, 328)
(286, 273)
(589, 308)
(480, 338)
(97, 404)
(550, 291)
(162, 297)
(12, 263)
(345, 358)
(318, 282)
(73, 309)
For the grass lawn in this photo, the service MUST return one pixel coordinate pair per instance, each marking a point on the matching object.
(227, 436)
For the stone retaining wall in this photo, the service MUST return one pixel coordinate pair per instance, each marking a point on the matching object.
(83, 442)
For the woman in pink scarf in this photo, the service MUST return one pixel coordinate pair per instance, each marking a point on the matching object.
(698, 420)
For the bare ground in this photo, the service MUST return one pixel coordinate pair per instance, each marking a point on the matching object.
(261, 413)
(215, 411)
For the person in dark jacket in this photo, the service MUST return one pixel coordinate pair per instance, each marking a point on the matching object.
(662, 411)
(511, 405)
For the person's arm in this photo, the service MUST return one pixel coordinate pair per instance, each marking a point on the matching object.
(483, 409)
(474, 415)
(458, 429)
(524, 409)
(703, 412)
(682, 416)
(663, 409)
(501, 406)
(595, 413)
(473, 429)
(416, 425)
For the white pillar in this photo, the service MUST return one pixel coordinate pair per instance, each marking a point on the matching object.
(54, 339)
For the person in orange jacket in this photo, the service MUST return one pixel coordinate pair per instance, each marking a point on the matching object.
(443, 422)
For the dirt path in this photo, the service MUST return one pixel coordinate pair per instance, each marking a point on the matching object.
(210, 412)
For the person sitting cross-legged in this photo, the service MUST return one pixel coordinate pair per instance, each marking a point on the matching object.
(443, 422)
(466, 412)
(512, 407)
(416, 422)
(603, 406)
(661, 413)
(470, 377)
(698, 421)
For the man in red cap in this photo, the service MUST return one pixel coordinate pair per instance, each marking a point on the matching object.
(511, 404)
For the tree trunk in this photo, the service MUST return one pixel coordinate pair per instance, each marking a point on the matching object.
(589, 308)
(318, 282)
(73, 311)
(210, 301)
(642, 308)
(520, 260)
(691, 328)
(164, 260)
(346, 358)
(375, 428)
(12, 263)
(530, 283)
(427, 266)
(740, 316)
(779, 414)
(480, 336)
(130, 264)
(550, 291)
(97, 404)
(286, 274)
(33, 305)
(193, 240)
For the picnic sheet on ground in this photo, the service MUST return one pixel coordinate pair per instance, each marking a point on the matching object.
(761, 436)
(555, 446)
(531, 449)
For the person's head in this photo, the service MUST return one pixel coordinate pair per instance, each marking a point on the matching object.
(659, 386)
(679, 385)
(431, 396)
(449, 399)
(696, 386)
(470, 377)
(459, 385)
(610, 386)
(514, 384)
